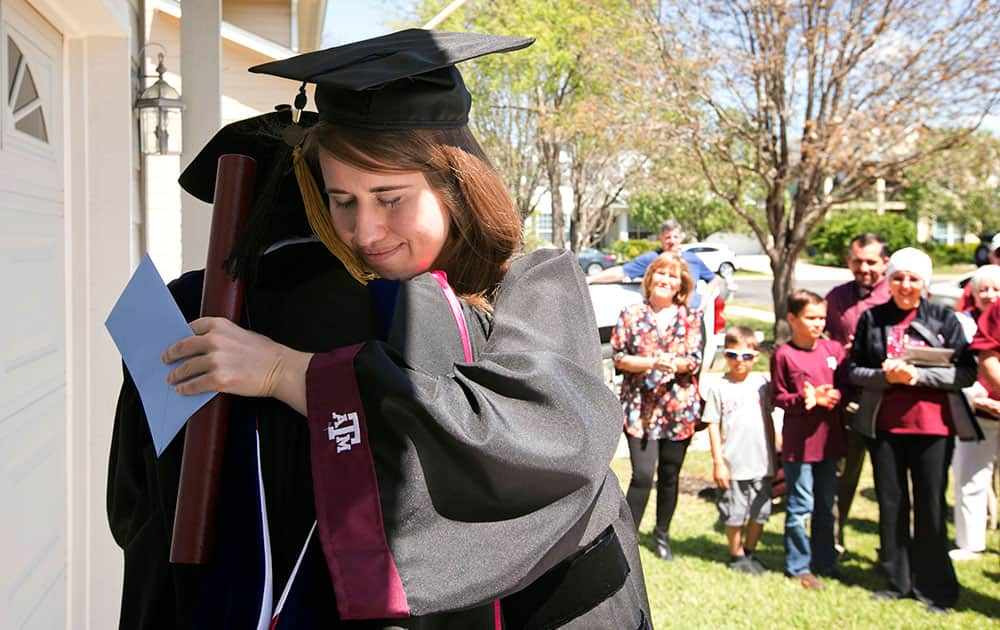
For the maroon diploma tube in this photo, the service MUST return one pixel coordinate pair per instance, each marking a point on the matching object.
(205, 436)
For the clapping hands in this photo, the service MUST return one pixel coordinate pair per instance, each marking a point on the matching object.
(671, 364)
(822, 396)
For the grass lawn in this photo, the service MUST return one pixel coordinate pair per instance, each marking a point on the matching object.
(763, 361)
(698, 591)
(748, 304)
(953, 270)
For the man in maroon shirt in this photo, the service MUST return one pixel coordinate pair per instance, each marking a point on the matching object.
(867, 258)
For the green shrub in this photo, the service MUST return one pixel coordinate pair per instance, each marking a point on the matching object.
(627, 250)
(963, 253)
(830, 239)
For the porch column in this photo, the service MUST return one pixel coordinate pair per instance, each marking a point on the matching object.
(201, 73)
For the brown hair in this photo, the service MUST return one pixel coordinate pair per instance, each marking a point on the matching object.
(485, 228)
(672, 262)
(741, 336)
(801, 298)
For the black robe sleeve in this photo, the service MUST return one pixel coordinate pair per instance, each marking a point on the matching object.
(440, 491)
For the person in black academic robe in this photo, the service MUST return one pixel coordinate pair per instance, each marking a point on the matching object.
(303, 296)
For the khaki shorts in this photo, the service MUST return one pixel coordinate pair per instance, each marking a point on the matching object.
(745, 500)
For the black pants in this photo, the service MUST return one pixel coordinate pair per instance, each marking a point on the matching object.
(847, 479)
(644, 454)
(920, 565)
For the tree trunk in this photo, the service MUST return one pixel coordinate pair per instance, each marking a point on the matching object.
(554, 173)
(783, 267)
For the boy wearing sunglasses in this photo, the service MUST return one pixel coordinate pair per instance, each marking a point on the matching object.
(742, 438)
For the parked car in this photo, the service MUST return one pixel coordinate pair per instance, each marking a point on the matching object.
(593, 261)
(717, 257)
(947, 292)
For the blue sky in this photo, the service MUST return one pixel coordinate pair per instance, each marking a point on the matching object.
(352, 20)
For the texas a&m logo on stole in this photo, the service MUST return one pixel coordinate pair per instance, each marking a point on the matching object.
(344, 429)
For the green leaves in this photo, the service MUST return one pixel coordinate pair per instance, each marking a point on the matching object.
(833, 235)
(701, 213)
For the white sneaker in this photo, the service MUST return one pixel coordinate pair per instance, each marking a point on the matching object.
(959, 555)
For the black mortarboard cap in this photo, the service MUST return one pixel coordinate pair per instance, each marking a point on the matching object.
(403, 80)
(277, 211)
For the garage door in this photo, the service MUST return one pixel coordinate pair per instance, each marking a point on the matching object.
(32, 323)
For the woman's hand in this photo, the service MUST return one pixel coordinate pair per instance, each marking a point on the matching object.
(899, 372)
(664, 363)
(226, 358)
(638, 364)
(682, 365)
(987, 405)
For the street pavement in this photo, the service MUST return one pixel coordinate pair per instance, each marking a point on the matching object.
(755, 291)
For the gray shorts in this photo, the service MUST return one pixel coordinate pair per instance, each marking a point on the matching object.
(745, 500)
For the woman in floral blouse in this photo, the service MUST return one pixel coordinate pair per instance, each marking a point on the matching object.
(657, 345)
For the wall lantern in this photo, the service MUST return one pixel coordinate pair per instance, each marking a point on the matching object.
(159, 107)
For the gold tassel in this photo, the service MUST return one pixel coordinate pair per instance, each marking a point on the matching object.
(319, 219)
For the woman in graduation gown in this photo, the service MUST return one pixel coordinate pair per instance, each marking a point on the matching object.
(460, 462)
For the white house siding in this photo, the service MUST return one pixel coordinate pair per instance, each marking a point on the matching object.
(268, 18)
(256, 92)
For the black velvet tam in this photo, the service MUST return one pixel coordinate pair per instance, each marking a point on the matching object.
(277, 212)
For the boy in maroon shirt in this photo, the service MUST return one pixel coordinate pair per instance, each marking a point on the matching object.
(803, 384)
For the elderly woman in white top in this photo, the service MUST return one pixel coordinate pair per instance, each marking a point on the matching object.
(972, 462)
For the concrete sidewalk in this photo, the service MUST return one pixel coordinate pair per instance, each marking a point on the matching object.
(746, 311)
(804, 271)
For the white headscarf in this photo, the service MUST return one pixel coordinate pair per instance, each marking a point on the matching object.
(912, 260)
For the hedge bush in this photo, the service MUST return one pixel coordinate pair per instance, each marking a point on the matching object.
(627, 250)
(828, 242)
(961, 254)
